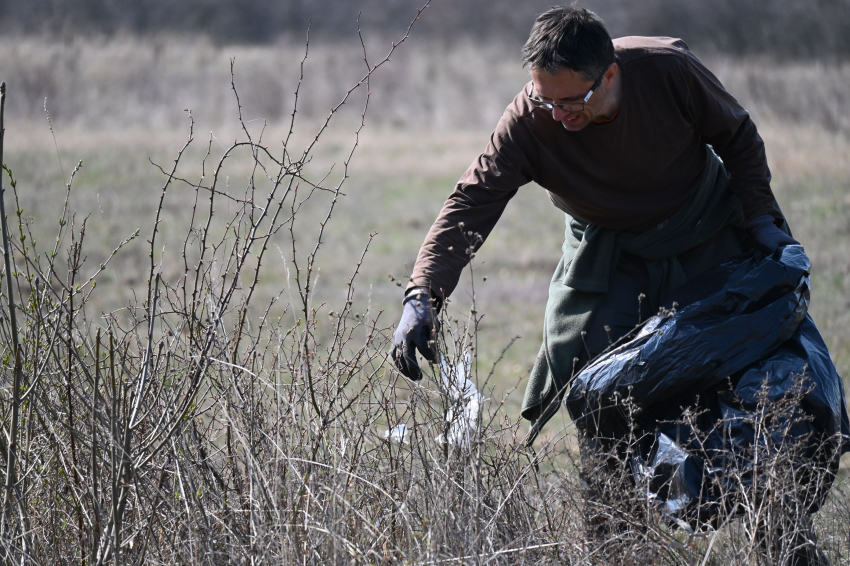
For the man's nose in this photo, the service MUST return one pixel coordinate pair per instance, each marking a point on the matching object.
(558, 114)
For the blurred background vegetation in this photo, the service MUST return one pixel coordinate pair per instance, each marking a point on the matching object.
(781, 28)
(117, 76)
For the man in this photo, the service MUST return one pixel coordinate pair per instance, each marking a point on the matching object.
(627, 137)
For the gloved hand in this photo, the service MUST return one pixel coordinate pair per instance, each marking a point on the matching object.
(766, 233)
(417, 329)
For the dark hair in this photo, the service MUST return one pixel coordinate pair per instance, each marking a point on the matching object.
(568, 37)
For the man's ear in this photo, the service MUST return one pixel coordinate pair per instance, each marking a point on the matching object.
(610, 73)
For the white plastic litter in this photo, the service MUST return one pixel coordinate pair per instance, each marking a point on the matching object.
(398, 433)
(462, 416)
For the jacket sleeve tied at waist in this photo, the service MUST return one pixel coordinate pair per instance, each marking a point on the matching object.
(591, 254)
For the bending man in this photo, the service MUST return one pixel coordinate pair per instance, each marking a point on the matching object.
(661, 173)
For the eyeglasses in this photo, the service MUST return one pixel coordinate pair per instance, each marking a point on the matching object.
(566, 106)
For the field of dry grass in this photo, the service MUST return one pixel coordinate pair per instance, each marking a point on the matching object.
(116, 104)
(117, 107)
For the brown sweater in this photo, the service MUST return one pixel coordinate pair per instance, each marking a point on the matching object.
(626, 174)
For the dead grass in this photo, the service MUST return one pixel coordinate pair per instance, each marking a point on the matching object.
(398, 184)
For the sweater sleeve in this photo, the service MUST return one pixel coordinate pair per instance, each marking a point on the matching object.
(724, 124)
(474, 207)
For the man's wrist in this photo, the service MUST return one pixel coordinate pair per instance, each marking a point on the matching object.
(418, 289)
(436, 299)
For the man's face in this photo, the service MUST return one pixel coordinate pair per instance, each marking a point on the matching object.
(567, 86)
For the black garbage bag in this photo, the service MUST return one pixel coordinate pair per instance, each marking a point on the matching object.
(704, 394)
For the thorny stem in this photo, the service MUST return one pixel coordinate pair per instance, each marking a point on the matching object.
(11, 452)
(73, 269)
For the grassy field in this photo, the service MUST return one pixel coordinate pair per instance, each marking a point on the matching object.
(399, 179)
(118, 109)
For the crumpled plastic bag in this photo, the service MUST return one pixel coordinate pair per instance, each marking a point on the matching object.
(690, 388)
(462, 416)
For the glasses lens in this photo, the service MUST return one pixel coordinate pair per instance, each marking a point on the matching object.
(575, 107)
(541, 104)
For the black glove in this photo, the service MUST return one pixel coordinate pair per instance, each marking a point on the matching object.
(768, 235)
(418, 328)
